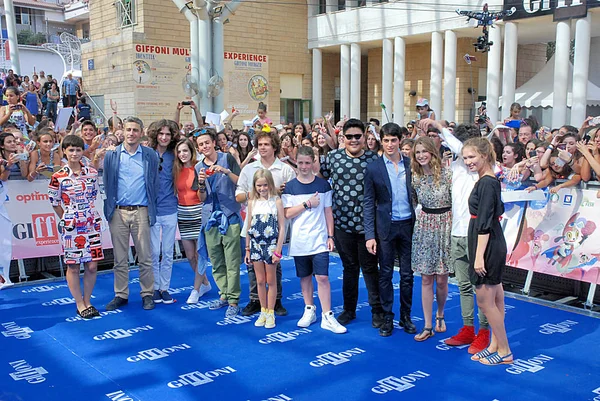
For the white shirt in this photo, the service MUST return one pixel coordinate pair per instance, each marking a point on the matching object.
(463, 182)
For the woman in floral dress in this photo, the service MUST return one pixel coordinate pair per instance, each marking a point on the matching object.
(431, 238)
(72, 192)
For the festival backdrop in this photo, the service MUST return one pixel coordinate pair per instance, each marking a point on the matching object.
(246, 78)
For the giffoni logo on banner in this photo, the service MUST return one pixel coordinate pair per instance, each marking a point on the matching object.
(335, 358)
(155, 353)
(400, 384)
(197, 378)
(118, 334)
(531, 365)
(24, 371)
(553, 328)
(281, 337)
(11, 329)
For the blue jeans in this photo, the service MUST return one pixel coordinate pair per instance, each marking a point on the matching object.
(51, 110)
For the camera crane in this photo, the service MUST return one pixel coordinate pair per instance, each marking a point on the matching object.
(485, 19)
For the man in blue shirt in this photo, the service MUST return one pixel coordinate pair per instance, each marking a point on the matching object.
(388, 219)
(84, 110)
(131, 183)
(163, 138)
(69, 90)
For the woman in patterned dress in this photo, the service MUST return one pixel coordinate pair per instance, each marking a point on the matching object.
(431, 238)
(72, 192)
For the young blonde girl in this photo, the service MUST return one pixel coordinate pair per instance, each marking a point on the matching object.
(264, 241)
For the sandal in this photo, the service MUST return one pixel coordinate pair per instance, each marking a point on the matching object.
(496, 359)
(482, 354)
(425, 330)
(439, 321)
(87, 313)
(94, 312)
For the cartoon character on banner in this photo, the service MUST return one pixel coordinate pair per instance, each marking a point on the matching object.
(530, 236)
(574, 234)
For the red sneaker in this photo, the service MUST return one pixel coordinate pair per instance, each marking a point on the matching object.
(481, 342)
(465, 336)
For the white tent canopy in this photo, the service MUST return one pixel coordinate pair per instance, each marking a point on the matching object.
(539, 90)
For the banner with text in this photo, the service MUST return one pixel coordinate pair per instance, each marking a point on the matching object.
(557, 236)
(246, 78)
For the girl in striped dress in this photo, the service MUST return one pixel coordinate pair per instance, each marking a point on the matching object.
(189, 212)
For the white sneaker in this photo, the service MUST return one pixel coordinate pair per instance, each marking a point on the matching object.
(329, 322)
(309, 316)
(193, 298)
(270, 320)
(204, 289)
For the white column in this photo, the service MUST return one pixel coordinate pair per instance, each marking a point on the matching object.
(355, 61)
(11, 28)
(332, 5)
(509, 69)
(387, 81)
(435, 85)
(493, 74)
(205, 62)
(449, 76)
(345, 81)
(581, 70)
(194, 62)
(561, 74)
(218, 61)
(317, 83)
(399, 70)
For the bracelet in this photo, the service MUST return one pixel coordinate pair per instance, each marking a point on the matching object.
(550, 147)
(571, 162)
(277, 254)
(305, 206)
(330, 236)
(248, 249)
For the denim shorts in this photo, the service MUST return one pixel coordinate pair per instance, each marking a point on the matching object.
(317, 264)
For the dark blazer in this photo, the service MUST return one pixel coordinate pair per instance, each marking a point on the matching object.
(111, 180)
(378, 198)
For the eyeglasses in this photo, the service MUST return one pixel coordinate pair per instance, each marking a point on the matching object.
(160, 164)
(355, 136)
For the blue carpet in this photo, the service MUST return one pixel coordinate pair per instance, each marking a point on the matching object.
(182, 352)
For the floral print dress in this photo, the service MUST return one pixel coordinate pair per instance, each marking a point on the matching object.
(264, 230)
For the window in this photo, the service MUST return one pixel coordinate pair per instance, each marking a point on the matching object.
(322, 6)
(126, 10)
(341, 5)
(22, 16)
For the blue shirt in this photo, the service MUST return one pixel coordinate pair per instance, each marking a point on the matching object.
(166, 202)
(84, 111)
(131, 189)
(400, 199)
(70, 86)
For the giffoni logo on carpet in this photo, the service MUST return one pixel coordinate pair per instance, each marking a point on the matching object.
(280, 337)
(44, 288)
(24, 371)
(532, 365)
(199, 305)
(119, 396)
(118, 334)
(11, 329)
(443, 347)
(562, 327)
(61, 301)
(400, 384)
(102, 314)
(235, 320)
(333, 358)
(198, 378)
(155, 353)
(597, 392)
(280, 397)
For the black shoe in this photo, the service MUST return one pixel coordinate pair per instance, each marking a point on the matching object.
(116, 303)
(407, 324)
(252, 308)
(279, 309)
(387, 327)
(147, 302)
(345, 317)
(377, 320)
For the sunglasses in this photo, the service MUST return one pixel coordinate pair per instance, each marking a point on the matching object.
(355, 136)
(160, 164)
(201, 132)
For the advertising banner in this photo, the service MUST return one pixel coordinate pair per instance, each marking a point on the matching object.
(34, 225)
(557, 236)
(159, 73)
(246, 78)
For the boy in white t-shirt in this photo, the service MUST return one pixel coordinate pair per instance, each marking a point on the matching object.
(307, 201)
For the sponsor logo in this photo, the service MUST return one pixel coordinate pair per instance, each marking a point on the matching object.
(236, 320)
(61, 301)
(400, 384)
(531, 365)
(118, 334)
(155, 353)
(24, 371)
(199, 305)
(119, 396)
(34, 196)
(568, 200)
(335, 358)
(102, 314)
(281, 337)
(587, 202)
(42, 229)
(552, 328)
(11, 329)
(44, 288)
(198, 379)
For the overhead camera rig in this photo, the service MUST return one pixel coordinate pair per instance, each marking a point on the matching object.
(485, 19)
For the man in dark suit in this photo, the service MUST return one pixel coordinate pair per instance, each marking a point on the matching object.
(388, 220)
(131, 187)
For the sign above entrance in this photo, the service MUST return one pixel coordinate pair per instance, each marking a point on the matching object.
(560, 9)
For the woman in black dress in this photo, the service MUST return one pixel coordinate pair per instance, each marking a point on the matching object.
(487, 248)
